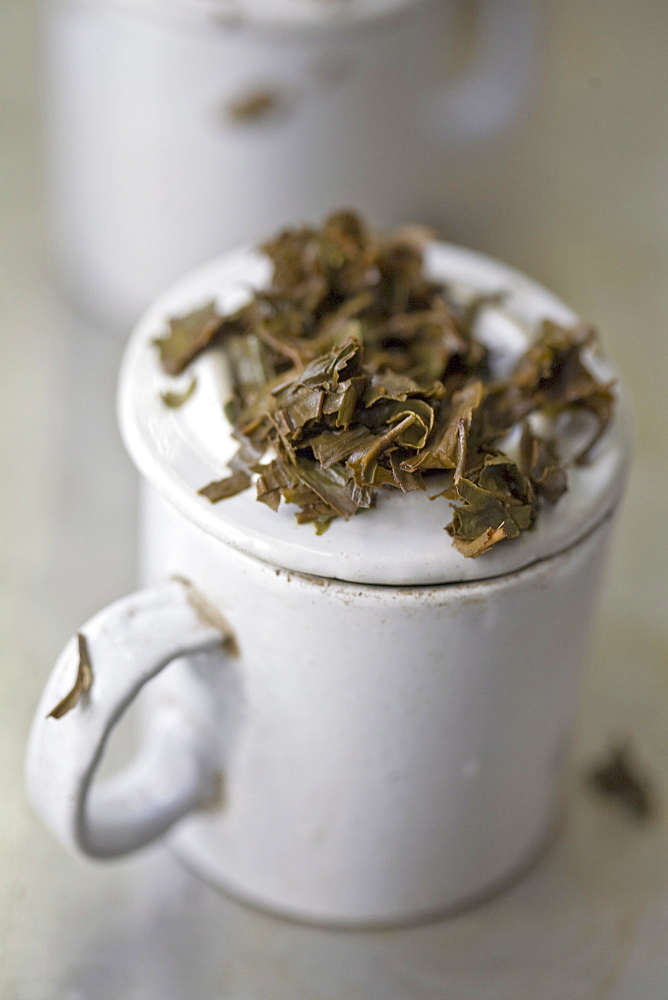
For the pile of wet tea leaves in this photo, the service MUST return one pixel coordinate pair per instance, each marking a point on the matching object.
(354, 372)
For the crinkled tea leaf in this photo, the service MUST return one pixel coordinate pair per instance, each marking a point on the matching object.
(236, 482)
(447, 446)
(364, 460)
(347, 254)
(540, 462)
(341, 405)
(392, 385)
(188, 336)
(275, 479)
(553, 376)
(474, 547)
(331, 447)
(499, 505)
(388, 412)
(82, 684)
(330, 485)
(355, 372)
(502, 477)
(406, 481)
(326, 371)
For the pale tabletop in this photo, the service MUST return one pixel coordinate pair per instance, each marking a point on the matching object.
(576, 197)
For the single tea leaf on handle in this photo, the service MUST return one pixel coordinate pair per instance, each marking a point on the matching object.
(82, 684)
(174, 399)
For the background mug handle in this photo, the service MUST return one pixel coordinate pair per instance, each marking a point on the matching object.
(129, 642)
(487, 96)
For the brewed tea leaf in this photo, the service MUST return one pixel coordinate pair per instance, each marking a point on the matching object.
(540, 462)
(188, 335)
(474, 547)
(501, 499)
(220, 489)
(174, 399)
(82, 684)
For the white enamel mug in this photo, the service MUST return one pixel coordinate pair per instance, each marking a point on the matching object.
(179, 128)
(360, 728)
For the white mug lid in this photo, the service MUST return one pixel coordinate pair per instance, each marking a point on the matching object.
(402, 540)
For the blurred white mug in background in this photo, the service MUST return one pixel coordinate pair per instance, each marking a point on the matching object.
(179, 128)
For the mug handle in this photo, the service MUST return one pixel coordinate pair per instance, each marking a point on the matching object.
(129, 642)
(481, 102)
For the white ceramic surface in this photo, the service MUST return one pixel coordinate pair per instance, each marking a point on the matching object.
(150, 172)
(371, 753)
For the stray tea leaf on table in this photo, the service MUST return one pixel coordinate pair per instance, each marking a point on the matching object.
(619, 778)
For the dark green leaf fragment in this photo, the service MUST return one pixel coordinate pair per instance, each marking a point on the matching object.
(443, 449)
(326, 371)
(364, 460)
(390, 385)
(82, 684)
(540, 462)
(347, 254)
(553, 376)
(341, 404)
(499, 505)
(188, 335)
(221, 489)
(241, 466)
(293, 253)
(250, 366)
(406, 481)
(330, 485)
(275, 478)
(331, 447)
(387, 413)
(299, 407)
(175, 399)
